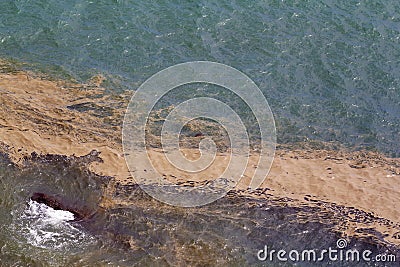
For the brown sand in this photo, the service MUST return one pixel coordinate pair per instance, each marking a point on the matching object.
(38, 115)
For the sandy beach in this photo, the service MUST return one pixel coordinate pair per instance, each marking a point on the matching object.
(58, 117)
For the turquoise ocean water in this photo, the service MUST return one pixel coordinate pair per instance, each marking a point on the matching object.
(329, 69)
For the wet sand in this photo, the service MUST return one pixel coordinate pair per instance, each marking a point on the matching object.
(58, 117)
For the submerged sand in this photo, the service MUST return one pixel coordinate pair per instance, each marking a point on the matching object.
(58, 117)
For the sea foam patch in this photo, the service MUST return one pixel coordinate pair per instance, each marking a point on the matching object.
(45, 227)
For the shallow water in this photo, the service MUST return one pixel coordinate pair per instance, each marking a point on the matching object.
(329, 69)
(144, 231)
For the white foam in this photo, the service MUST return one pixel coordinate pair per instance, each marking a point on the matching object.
(48, 214)
(45, 227)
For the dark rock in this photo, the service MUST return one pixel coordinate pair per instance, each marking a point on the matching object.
(58, 204)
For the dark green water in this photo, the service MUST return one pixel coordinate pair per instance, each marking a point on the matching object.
(228, 232)
(329, 69)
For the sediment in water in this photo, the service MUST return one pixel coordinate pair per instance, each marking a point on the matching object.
(56, 132)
